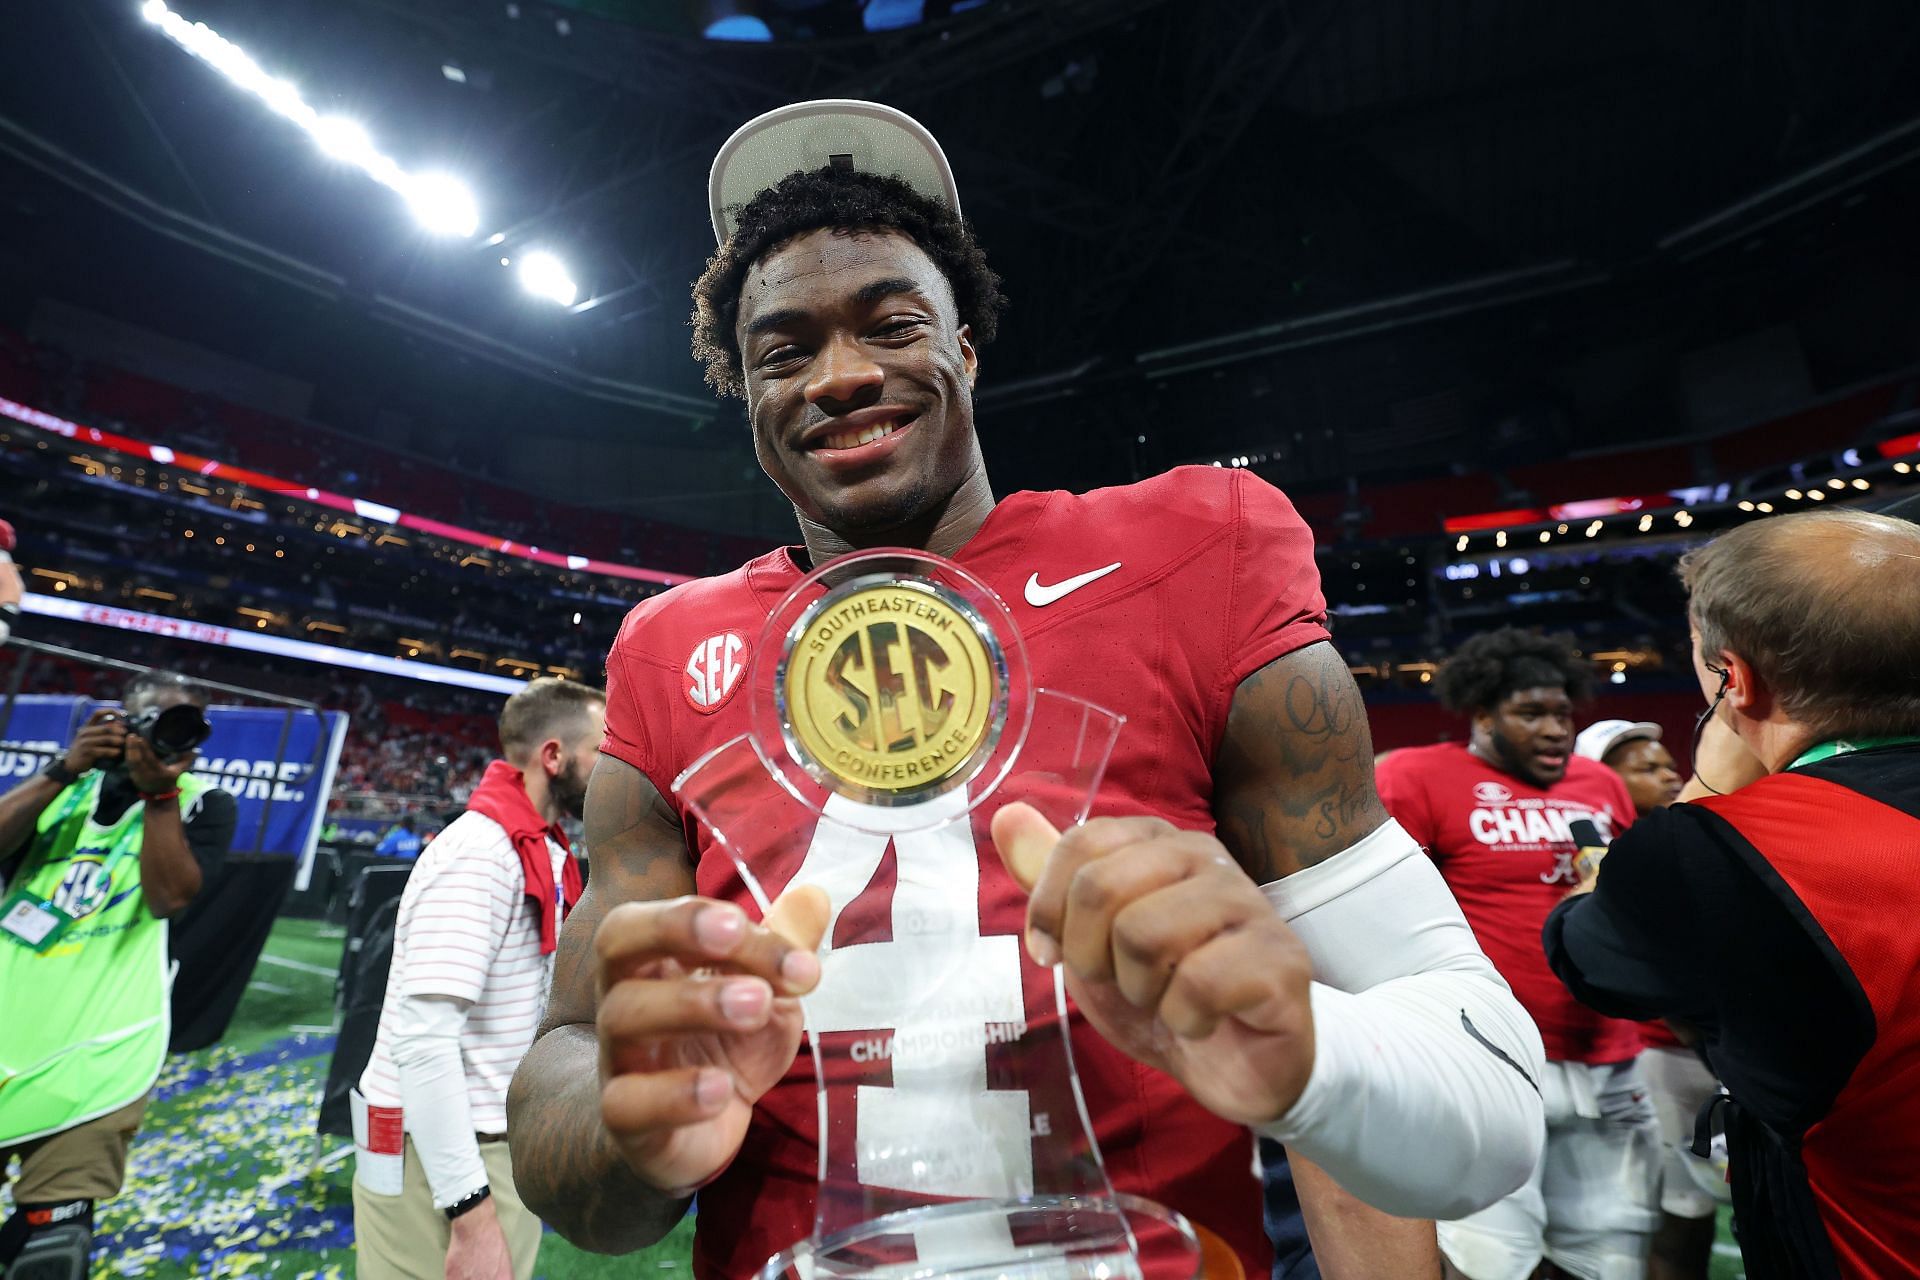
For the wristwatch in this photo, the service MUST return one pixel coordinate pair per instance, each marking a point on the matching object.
(57, 770)
(467, 1203)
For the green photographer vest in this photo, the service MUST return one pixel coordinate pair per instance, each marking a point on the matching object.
(84, 1024)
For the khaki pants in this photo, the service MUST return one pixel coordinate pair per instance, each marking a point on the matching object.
(86, 1162)
(404, 1237)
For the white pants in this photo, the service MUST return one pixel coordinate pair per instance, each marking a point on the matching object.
(1681, 1084)
(1593, 1201)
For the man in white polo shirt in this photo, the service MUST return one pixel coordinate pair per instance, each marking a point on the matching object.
(433, 1192)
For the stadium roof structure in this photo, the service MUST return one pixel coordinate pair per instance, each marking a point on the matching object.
(1346, 239)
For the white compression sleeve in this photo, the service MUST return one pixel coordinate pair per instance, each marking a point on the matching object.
(433, 1094)
(1423, 1100)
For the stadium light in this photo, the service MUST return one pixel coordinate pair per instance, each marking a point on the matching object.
(1816, 494)
(345, 140)
(1766, 507)
(545, 276)
(1744, 505)
(1794, 494)
(1860, 482)
(442, 204)
(1902, 467)
(1462, 544)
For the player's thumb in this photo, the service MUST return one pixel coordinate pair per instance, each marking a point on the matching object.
(1024, 839)
(799, 916)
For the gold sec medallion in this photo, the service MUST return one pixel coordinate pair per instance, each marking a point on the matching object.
(891, 688)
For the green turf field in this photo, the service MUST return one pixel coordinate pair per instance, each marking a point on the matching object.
(228, 1179)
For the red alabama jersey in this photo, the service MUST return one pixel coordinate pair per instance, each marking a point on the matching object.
(1504, 847)
(1154, 601)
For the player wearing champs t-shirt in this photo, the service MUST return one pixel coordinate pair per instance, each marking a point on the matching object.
(1505, 818)
(1344, 1010)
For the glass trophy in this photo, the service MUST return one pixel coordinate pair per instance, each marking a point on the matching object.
(892, 713)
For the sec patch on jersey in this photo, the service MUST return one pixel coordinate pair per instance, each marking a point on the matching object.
(714, 671)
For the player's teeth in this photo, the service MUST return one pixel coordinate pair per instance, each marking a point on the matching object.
(854, 439)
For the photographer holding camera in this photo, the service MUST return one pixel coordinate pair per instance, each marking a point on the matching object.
(96, 851)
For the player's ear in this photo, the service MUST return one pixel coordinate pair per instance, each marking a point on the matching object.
(969, 355)
(1745, 691)
(553, 757)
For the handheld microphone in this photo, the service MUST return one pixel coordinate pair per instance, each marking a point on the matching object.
(1589, 846)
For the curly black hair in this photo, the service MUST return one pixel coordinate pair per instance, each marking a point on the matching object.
(1491, 665)
(845, 200)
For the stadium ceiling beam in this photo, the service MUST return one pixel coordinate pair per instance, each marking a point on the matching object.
(918, 64)
(1242, 59)
(908, 67)
(655, 71)
(130, 95)
(1036, 194)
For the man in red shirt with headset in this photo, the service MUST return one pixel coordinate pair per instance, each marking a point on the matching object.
(1772, 911)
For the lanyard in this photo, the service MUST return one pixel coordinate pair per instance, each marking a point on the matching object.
(1845, 746)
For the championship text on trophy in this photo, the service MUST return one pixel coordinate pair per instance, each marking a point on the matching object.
(892, 714)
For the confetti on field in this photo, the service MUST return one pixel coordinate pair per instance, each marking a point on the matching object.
(217, 1182)
(228, 1178)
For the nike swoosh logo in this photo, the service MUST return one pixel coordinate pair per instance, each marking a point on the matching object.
(1040, 597)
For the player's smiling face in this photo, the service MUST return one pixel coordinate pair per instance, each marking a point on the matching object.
(859, 378)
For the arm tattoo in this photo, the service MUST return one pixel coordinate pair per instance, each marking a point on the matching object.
(1293, 784)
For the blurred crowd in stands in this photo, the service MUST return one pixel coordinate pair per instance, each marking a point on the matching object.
(457, 488)
(102, 527)
(410, 748)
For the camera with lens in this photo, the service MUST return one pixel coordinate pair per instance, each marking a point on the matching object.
(171, 731)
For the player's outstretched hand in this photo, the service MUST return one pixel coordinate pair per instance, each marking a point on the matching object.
(1171, 952)
(698, 1017)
